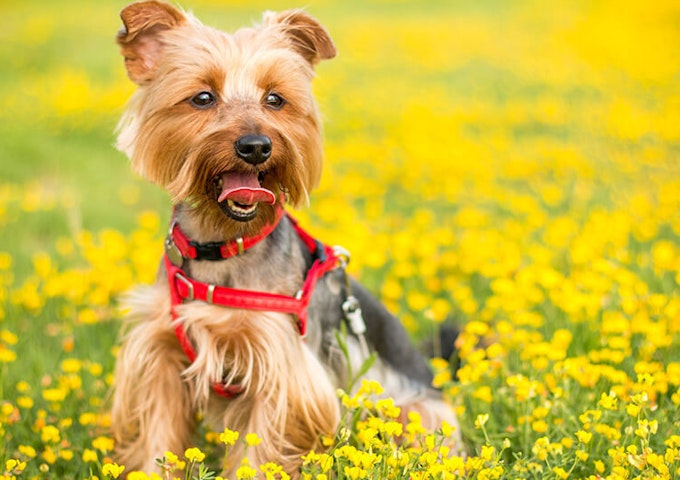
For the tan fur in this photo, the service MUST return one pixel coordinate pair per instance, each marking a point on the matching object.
(149, 413)
(288, 384)
(181, 148)
(158, 393)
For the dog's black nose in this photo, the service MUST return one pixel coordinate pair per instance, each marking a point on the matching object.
(253, 149)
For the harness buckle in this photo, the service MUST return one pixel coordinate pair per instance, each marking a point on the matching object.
(210, 251)
(187, 283)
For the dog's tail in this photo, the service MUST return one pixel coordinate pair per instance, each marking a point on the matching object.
(443, 345)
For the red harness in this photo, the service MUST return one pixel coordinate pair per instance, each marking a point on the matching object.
(182, 287)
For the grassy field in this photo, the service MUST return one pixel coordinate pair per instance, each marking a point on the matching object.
(509, 167)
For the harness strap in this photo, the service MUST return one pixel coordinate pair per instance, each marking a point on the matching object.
(182, 288)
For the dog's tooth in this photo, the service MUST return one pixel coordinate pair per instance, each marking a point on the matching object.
(244, 210)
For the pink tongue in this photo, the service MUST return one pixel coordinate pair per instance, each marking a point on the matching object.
(245, 189)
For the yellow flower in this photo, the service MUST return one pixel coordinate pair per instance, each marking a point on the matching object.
(355, 473)
(583, 436)
(272, 471)
(560, 473)
(15, 466)
(112, 470)
(633, 410)
(252, 440)
(103, 444)
(608, 402)
(657, 461)
(71, 365)
(25, 402)
(228, 437)
(172, 461)
(540, 448)
(171, 457)
(54, 394)
(323, 460)
(392, 429)
(447, 429)
(481, 420)
(23, 386)
(599, 466)
(487, 452)
(136, 475)
(675, 398)
(90, 455)
(386, 407)
(194, 454)
(49, 455)
(370, 387)
(87, 418)
(646, 428)
(7, 355)
(5, 261)
(245, 472)
(50, 434)
(66, 454)
(368, 436)
(8, 337)
(349, 402)
(27, 450)
(483, 393)
(539, 426)
(673, 441)
(7, 409)
(415, 425)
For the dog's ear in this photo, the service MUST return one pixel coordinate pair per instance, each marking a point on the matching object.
(306, 36)
(139, 38)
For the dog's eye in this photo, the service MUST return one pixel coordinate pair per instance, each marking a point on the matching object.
(274, 101)
(203, 100)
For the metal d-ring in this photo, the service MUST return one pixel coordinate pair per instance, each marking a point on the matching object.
(343, 255)
(189, 285)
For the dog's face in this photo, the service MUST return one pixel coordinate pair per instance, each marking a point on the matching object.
(225, 122)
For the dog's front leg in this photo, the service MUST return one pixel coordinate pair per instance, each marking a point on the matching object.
(152, 409)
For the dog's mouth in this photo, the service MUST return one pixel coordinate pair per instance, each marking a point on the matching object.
(239, 194)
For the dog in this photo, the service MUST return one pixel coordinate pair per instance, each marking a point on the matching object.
(241, 327)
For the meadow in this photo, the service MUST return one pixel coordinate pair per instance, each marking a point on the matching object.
(510, 168)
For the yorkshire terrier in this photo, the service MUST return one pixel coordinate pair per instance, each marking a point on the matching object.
(241, 325)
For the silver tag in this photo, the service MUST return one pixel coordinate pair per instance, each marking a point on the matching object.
(173, 252)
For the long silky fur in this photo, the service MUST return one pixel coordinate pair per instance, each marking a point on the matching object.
(288, 384)
(262, 352)
(149, 413)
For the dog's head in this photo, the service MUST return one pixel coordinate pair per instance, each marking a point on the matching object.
(225, 122)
